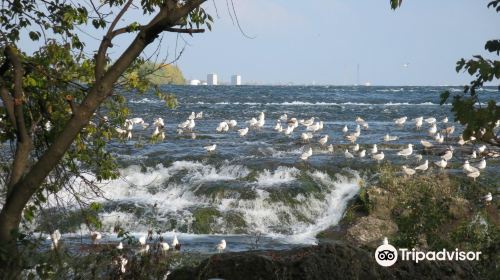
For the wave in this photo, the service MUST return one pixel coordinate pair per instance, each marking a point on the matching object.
(199, 198)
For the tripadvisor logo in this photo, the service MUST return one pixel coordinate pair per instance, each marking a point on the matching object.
(387, 255)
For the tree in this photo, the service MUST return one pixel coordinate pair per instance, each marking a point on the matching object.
(164, 74)
(55, 99)
(479, 119)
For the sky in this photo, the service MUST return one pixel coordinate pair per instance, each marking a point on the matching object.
(323, 41)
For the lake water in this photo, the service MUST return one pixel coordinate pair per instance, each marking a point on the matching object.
(258, 184)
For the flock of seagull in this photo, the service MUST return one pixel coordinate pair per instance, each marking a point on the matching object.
(311, 126)
(122, 261)
(286, 125)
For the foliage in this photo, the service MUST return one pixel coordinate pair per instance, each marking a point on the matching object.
(164, 74)
(63, 102)
(479, 119)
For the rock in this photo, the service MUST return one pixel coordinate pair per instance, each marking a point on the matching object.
(370, 229)
(326, 261)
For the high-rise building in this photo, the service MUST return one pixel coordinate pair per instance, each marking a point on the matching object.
(236, 80)
(212, 79)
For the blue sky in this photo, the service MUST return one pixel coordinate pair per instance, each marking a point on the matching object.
(323, 41)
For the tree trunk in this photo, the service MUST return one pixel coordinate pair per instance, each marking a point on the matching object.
(22, 191)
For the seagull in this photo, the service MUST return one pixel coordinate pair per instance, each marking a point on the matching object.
(378, 157)
(445, 120)
(461, 141)
(388, 138)
(359, 120)
(156, 132)
(362, 154)
(123, 263)
(482, 164)
(222, 127)
(175, 243)
(144, 250)
(355, 148)
(426, 144)
(284, 117)
(199, 115)
(142, 240)
(408, 171)
(449, 130)
(352, 137)
(120, 246)
(306, 136)
(164, 246)
(488, 197)
(330, 148)
(406, 152)
(418, 157)
(305, 155)
(400, 121)
(252, 122)
(345, 129)
(474, 175)
(232, 123)
(433, 129)
(481, 149)
(424, 166)
(289, 130)
(418, 122)
(468, 168)
(374, 149)
(430, 120)
(448, 155)
(55, 237)
(221, 246)
(308, 122)
(210, 148)
(442, 163)
(191, 125)
(323, 140)
(278, 127)
(95, 235)
(192, 116)
(347, 154)
(473, 155)
(243, 131)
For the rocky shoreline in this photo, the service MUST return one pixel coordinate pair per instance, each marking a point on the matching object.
(325, 261)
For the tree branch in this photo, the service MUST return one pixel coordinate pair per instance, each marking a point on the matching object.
(23, 190)
(24, 142)
(106, 42)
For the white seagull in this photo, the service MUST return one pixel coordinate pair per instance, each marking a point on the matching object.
(423, 167)
(210, 148)
(221, 246)
(406, 152)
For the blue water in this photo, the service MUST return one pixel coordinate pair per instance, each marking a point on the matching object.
(257, 184)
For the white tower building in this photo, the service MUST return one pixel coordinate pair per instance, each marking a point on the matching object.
(212, 79)
(236, 80)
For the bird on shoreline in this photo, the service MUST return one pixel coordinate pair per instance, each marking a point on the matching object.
(305, 155)
(408, 171)
(441, 164)
(424, 166)
(406, 152)
(378, 157)
(221, 246)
